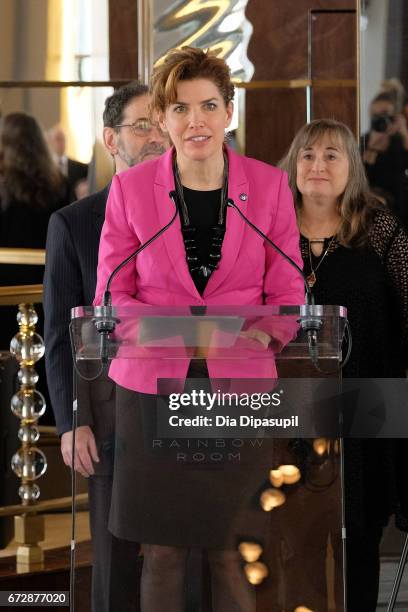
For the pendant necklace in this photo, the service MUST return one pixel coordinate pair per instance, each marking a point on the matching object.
(311, 278)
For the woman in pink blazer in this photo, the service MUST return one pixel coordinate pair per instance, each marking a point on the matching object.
(208, 256)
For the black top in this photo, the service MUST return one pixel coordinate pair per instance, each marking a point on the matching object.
(76, 171)
(372, 282)
(23, 226)
(203, 210)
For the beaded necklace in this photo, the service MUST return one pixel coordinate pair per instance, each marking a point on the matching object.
(202, 269)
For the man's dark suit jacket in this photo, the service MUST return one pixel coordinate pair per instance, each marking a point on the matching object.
(70, 279)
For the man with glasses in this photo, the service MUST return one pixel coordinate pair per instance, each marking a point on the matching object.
(70, 279)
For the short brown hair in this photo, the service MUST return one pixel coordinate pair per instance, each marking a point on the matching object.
(116, 103)
(357, 204)
(186, 64)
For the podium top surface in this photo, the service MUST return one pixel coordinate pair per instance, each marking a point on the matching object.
(147, 310)
(213, 332)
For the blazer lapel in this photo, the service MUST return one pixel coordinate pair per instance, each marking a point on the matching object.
(238, 191)
(173, 240)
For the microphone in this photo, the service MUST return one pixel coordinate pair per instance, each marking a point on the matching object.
(310, 314)
(106, 321)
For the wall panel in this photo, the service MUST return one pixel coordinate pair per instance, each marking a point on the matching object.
(279, 50)
(123, 39)
(272, 116)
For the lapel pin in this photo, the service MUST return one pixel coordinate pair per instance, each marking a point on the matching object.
(243, 197)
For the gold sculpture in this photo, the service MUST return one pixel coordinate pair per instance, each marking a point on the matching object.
(29, 462)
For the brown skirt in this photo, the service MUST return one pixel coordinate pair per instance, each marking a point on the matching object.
(188, 492)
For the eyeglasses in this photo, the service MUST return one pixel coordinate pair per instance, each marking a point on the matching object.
(141, 127)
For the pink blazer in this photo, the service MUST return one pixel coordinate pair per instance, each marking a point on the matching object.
(249, 273)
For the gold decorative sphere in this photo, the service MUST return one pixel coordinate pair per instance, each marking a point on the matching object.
(27, 315)
(29, 492)
(29, 434)
(28, 404)
(27, 376)
(29, 463)
(27, 347)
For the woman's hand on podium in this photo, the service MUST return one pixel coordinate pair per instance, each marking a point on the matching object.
(259, 335)
(85, 450)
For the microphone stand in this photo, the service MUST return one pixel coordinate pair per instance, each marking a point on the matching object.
(397, 580)
(310, 319)
(311, 322)
(105, 323)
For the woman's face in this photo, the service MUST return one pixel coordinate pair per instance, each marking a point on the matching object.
(197, 120)
(323, 169)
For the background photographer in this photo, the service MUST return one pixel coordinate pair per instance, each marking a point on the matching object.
(385, 154)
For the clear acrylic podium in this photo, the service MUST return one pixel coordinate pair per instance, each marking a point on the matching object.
(235, 448)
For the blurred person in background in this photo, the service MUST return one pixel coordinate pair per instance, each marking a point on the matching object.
(395, 88)
(405, 109)
(385, 153)
(75, 171)
(31, 189)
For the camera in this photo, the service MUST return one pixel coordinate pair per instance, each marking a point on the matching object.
(380, 123)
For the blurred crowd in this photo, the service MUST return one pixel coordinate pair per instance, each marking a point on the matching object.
(36, 179)
(385, 147)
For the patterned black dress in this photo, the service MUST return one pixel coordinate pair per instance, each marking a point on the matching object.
(372, 282)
